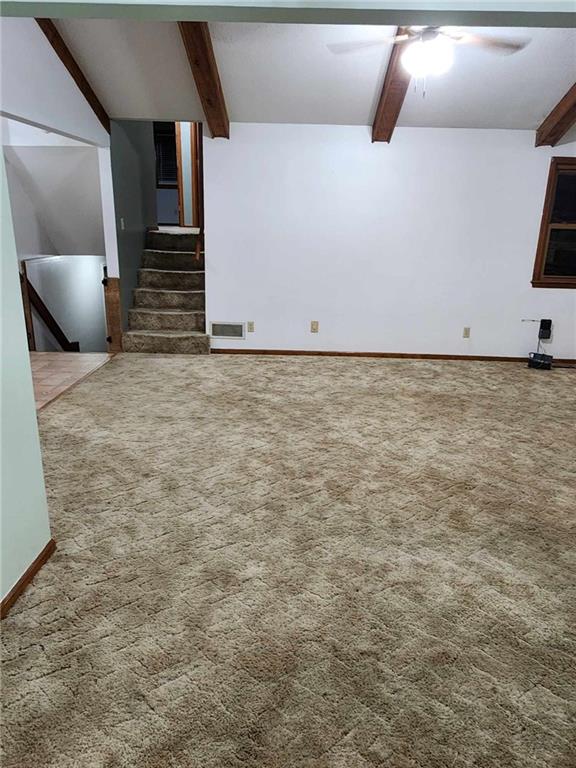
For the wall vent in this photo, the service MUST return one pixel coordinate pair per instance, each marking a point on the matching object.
(227, 330)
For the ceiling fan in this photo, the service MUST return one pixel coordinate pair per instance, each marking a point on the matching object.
(429, 50)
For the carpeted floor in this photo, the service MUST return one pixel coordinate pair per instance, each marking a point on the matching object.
(302, 563)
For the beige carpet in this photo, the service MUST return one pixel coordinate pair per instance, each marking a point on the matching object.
(302, 563)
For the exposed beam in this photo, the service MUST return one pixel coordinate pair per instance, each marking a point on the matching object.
(559, 121)
(198, 44)
(394, 90)
(63, 52)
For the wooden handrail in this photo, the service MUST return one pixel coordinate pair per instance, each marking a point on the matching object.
(48, 318)
(27, 310)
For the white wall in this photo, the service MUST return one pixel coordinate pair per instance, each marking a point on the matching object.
(55, 194)
(392, 248)
(37, 88)
(33, 231)
(17, 134)
(108, 211)
(23, 511)
(71, 288)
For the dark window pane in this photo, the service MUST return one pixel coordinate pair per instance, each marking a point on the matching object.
(564, 210)
(561, 255)
(165, 144)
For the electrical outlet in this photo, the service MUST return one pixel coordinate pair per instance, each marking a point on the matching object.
(122, 227)
(250, 326)
(314, 325)
(466, 332)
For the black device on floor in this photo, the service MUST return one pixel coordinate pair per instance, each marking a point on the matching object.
(540, 360)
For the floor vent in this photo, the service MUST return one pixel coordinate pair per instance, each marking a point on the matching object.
(227, 330)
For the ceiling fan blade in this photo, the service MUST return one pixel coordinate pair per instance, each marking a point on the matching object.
(359, 45)
(495, 44)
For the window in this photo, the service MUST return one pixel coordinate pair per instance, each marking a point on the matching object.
(166, 162)
(555, 265)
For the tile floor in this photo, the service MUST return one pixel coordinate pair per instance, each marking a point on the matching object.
(55, 372)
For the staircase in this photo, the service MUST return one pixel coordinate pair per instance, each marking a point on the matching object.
(168, 310)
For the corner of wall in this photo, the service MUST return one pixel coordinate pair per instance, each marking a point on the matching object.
(24, 509)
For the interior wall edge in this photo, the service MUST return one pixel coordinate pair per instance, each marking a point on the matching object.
(27, 577)
(24, 508)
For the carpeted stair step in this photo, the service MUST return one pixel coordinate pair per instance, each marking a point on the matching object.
(167, 342)
(152, 298)
(166, 319)
(170, 241)
(172, 260)
(171, 280)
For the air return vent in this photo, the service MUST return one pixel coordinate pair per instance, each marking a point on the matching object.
(227, 330)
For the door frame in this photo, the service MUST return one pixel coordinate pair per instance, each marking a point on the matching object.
(196, 171)
(196, 143)
(180, 183)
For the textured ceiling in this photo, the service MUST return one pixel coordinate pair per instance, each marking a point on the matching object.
(487, 90)
(139, 70)
(284, 73)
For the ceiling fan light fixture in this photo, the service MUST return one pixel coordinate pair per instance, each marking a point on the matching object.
(428, 57)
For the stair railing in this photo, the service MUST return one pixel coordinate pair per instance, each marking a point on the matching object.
(35, 301)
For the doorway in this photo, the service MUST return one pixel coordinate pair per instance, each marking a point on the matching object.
(56, 199)
(178, 148)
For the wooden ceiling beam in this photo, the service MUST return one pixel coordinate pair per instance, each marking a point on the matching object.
(559, 121)
(396, 82)
(63, 52)
(198, 44)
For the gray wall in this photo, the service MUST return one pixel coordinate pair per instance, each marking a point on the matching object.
(134, 179)
(23, 509)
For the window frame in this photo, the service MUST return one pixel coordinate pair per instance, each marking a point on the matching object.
(539, 279)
